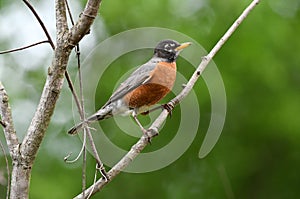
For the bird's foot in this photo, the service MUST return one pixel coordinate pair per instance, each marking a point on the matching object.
(169, 107)
(149, 134)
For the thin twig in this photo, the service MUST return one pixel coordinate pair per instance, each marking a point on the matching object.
(24, 154)
(206, 59)
(95, 178)
(40, 22)
(78, 61)
(79, 154)
(49, 40)
(84, 169)
(80, 105)
(69, 12)
(82, 115)
(70, 84)
(7, 170)
(143, 141)
(96, 156)
(24, 47)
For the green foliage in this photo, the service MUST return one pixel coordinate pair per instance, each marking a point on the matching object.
(257, 155)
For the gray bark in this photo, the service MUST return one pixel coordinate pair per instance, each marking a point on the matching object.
(23, 153)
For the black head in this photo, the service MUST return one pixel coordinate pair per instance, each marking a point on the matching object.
(169, 49)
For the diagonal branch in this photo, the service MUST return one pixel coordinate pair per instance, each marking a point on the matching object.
(54, 82)
(7, 123)
(80, 106)
(143, 141)
(40, 22)
(52, 88)
(212, 53)
(82, 26)
(24, 47)
(23, 155)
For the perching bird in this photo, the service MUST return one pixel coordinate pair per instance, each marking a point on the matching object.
(146, 86)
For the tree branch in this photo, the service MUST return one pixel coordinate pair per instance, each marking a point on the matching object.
(24, 47)
(24, 155)
(153, 130)
(81, 111)
(2, 124)
(61, 21)
(7, 169)
(82, 27)
(54, 82)
(40, 22)
(7, 122)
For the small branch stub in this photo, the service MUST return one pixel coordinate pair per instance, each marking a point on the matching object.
(2, 124)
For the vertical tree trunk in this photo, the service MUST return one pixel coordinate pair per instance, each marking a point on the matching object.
(20, 180)
(23, 153)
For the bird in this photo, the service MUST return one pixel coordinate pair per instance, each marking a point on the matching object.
(145, 87)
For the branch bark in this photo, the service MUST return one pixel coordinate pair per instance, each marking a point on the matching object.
(82, 26)
(23, 155)
(9, 130)
(24, 47)
(153, 130)
(7, 122)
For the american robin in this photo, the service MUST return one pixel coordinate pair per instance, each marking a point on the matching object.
(144, 87)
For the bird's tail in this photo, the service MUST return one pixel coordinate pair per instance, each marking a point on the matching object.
(103, 113)
(75, 128)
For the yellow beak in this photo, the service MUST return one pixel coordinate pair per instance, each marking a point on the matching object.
(183, 45)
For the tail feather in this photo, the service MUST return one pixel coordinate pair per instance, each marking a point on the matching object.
(74, 129)
(103, 113)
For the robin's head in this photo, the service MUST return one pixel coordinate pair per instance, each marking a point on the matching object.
(169, 49)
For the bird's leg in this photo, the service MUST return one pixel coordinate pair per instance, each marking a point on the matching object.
(134, 115)
(138, 123)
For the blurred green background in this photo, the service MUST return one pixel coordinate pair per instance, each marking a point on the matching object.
(257, 155)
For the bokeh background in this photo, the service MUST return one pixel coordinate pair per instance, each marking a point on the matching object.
(257, 155)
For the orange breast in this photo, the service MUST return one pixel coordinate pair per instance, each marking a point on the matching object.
(160, 84)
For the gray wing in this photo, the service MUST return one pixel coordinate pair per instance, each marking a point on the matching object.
(139, 77)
